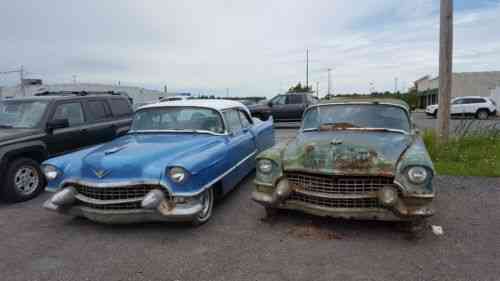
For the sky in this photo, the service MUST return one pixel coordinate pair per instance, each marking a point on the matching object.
(249, 48)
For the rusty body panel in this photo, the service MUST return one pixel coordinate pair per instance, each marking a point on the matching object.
(348, 174)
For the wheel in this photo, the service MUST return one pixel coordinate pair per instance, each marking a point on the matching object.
(482, 114)
(23, 180)
(207, 201)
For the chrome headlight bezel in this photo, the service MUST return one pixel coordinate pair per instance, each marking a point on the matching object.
(418, 175)
(51, 172)
(265, 166)
(178, 174)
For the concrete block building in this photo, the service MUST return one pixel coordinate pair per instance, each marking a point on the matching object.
(464, 84)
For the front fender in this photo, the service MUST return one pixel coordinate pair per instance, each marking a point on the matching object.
(415, 155)
(275, 154)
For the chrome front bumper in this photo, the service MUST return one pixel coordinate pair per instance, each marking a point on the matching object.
(152, 208)
(398, 210)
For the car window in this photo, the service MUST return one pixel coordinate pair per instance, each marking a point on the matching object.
(458, 101)
(477, 100)
(357, 116)
(232, 120)
(21, 114)
(71, 111)
(245, 122)
(178, 119)
(279, 100)
(98, 110)
(120, 107)
(295, 99)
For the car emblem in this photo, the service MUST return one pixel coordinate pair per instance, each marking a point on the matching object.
(100, 173)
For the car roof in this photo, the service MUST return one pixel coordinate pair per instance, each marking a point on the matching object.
(218, 105)
(470, 97)
(60, 97)
(391, 101)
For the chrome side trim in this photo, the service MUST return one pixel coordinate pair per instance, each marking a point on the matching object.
(216, 179)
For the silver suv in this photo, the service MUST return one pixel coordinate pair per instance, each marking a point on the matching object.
(479, 107)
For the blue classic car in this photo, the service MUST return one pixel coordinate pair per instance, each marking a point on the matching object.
(177, 158)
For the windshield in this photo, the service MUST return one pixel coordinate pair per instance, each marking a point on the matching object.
(357, 116)
(178, 119)
(21, 114)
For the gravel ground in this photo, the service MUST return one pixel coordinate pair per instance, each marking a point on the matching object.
(237, 244)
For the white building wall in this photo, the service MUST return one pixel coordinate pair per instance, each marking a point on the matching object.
(466, 84)
(140, 95)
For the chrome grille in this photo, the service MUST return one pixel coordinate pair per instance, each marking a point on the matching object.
(348, 203)
(115, 193)
(337, 184)
(119, 206)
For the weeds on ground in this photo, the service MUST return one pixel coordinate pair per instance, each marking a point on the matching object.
(470, 152)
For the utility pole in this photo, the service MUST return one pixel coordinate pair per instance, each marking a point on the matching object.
(307, 68)
(317, 89)
(74, 80)
(329, 82)
(395, 85)
(227, 92)
(445, 69)
(21, 76)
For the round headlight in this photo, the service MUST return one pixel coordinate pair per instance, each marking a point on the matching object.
(50, 172)
(178, 174)
(418, 175)
(265, 166)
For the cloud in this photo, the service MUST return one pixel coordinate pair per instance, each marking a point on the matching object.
(252, 47)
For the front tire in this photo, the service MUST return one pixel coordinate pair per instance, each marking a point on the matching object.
(207, 199)
(23, 180)
(482, 114)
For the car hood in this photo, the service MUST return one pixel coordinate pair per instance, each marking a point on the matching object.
(256, 107)
(346, 152)
(144, 157)
(12, 134)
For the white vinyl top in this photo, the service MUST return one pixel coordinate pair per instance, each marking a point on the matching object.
(213, 104)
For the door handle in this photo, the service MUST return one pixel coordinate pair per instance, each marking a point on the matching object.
(84, 131)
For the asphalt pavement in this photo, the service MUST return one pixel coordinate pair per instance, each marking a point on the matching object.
(238, 244)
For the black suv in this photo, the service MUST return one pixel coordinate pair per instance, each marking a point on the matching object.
(36, 128)
(287, 107)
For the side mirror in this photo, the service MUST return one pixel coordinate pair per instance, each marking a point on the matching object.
(57, 124)
(270, 104)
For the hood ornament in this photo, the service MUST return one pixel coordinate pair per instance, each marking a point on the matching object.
(336, 141)
(100, 173)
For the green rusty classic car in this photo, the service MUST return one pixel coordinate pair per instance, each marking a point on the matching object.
(353, 159)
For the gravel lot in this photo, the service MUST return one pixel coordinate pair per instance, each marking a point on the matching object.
(238, 245)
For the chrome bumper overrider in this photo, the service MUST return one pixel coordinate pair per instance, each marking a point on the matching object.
(153, 207)
(391, 207)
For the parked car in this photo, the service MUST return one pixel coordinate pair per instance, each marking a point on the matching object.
(177, 158)
(287, 107)
(359, 159)
(480, 107)
(37, 128)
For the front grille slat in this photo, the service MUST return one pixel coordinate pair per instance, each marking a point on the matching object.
(341, 203)
(114, 193)
(337, 185)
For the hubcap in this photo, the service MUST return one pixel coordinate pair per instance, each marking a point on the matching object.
(26, 180)
(206, 201)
